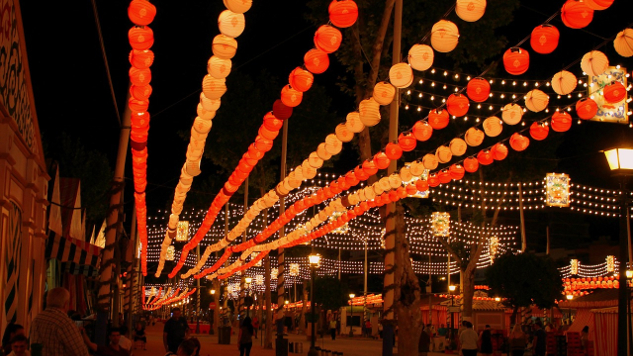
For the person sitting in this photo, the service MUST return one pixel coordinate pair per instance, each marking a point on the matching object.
(112, 349)
(140, 340)
(18, 346)
(10, 331)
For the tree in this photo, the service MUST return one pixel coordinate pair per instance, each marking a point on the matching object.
(525, 279)
(331, 297)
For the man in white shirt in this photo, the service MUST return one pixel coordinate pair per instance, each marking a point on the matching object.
(124, 342)
(468, 340)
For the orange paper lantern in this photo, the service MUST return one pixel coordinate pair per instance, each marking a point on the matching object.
(444, 176)
(470, 10)
(401, 75)
(598, 4)
(393, 151)
(140, 77)
(421, 57)
(316, 61)
(519, 142)
(539, 131)
(381, 160)
(576, 14)
(478, 90)
(422, 185)
(141, 92)
(474, 137)
(141, 12)
(141, 38)
(301, 79)
(564, 82)
(327, 38)
(384, 93)
(594, 63)
(544, 39)
(343, 13)
(499, 151)
(141, 59)
(281, 111)
(407, 142)
(231, 24)
(290, 96)
(561, 121)
(433, 180)
(457, 105)
(516, 60)
(586, 108)
(444, 36)
(536, 100)
(218, 67)
(369, 167)
(238, 6)
(471, 165)
(422, 131)
(457, 171)
(438, 119)
(484, 157)
(623, 43)
(614, 92)
(138, 105)
(369, 112)
(224, 46)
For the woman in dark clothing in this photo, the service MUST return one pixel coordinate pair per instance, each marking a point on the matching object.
(486, 341)
(245, 338)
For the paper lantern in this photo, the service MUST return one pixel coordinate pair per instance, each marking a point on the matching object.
(422, 131)
(519, 142)
(407, 142)
(440, 223)
(343, 133)
(443, 154)
(369, 167)
(290, 96)
(512, 114)
(171, 253)
(598, 4)
(343, 13)
(142, 92)
(564, 82)
(561, 121)
(484, 157)
(322, 152)
(499, 151)
(471, 165)
(384, 93)
(586, 108)
(332, 144)
(224, 46)
(478, 90)
(470, 10)
(141, 38)
(281, 111)
(417, 168)
(138, 105)
(623, 43)
(369, 111)
(421, 185)
(141, 12)
(140, 77)
(327, 38)
(401, 75)
(557, 190)
(218, 67)
(458, 147)
(231, 24)
(213, 88)
(614, 92)
(516, 60)
(141, 59)
(544, 39)
(430, 161)
(393, 151)
(536, 100)
(444, 36)
(492, 126)
(208, 104)
(438, 119)
(381, 160)
(301, 79)
(421, 57)
(444, 176)
(433, 180)
(238, 6)
(456, 171)
(353, 123)
(474, 137)
(594, 63)
(576, 14)
(316, 61)
(539, 131)
(457, 105)
(266, 133)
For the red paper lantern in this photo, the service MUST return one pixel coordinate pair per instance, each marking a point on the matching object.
(141, 38)
(360, 173)
(138, 105)
(561, 121)
(381, 160)
(586, 108)
(141, 12)
(484, 157)
(516, 60)
(544, 39)
(370, 167)
(343, 13)
(438, 119)
(272, 123)
(499, 151)
(351, 180)
(290, 96)
(478, 90)
(393, 151)
(614, 92)
(140, 77)
(327, 38)
(519, 142)
(457, 171)
(263, 144)
(421, 185)
(407, 142)
(457, 105)
(444, 176)
(266, 133)
(300, 79)
(433, 180)
(142, 92)
(422, 131)
(316, 61)
(281, 111)
(576, 14)
(598, 4)
(141, 59)
(411, 189)
(539, 131)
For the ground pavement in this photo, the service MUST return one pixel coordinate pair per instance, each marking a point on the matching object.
(356, 346)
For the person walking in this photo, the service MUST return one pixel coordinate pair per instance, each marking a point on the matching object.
(333, 328)
(518, 340)
(175, 331)
(53, 329)
(245, 338)
(485, 340)
(538, 343)
(468, 340)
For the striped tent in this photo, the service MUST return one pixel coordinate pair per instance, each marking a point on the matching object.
(76, 257)
(606, 328)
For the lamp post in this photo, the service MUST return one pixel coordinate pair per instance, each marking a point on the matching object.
(629, 277)
(620, 162)
(569, 298)
(351, 314)
(248, 301)
(314, 259)
(451, 289)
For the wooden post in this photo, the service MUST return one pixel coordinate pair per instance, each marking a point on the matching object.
(280, 259)
(523, 237)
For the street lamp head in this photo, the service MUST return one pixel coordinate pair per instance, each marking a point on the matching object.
(452, 287)
(497, 299)
(629, 274)
(249, 280)
(620, 160)
(286, 302)
(570, 296)
(315, 259)
(212, 291)
(352, 295)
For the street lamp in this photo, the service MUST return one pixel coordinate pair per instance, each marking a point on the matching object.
(247, 300)
(351, 313)
(620, 162)
(212, 291)
(314, 259)
(451, 289)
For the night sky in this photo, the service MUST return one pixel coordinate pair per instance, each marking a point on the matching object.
(72, 93)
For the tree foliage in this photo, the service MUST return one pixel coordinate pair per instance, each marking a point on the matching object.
(330, 292)
(525, 279)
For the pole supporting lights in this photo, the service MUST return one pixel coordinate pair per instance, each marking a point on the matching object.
(351, 313)
(451, 289)
(315, 260)
(620, 162)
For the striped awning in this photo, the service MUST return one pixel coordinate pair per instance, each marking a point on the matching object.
(77, 257)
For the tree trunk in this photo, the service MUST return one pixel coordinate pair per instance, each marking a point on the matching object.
(302, 320)
(268, 336)
(407, 293)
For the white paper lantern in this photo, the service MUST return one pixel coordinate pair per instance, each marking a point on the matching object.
(594, 63)
(224, 46)
(231, 24)
(209, 105)
(421, 57)
(238, 6)
(458, 147)
(623, 43)
(536, 100)
(470, 10)
(213, 88)
(564, 82)
(429, 161)
(353, 123)
(511, 114)
(384, 93)
(218, 67)
(443, 154)
(492, 126)
(401, 75)
(369, 112)
(444, 36)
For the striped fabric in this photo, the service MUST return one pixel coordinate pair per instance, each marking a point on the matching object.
(606, 326)
(77, 257)
(12, 263)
